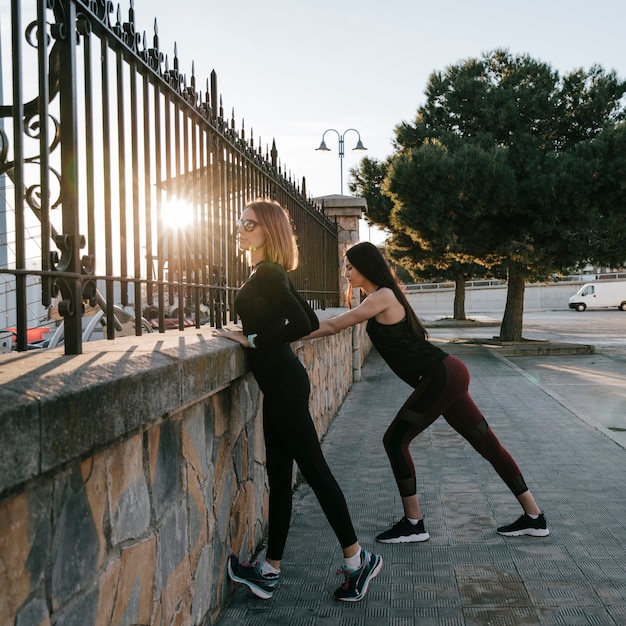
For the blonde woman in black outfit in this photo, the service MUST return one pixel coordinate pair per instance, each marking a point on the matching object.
(440, 383)
(273, 314)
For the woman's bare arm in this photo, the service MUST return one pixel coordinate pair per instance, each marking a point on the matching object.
(374, 304)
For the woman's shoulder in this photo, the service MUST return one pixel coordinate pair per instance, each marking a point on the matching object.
(384, 296)
(388, 309)
(270, 272)
(269, 268)
(384, 292)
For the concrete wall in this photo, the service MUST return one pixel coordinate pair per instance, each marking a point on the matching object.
(537, 297)
(130, 472)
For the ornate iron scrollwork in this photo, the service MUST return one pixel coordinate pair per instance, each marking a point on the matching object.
(32, 107)
(68, 305)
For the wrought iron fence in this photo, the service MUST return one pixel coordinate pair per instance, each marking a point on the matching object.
(113, 151)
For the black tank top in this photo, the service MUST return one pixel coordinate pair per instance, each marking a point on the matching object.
(409, 357)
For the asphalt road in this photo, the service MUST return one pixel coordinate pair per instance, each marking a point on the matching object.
(592, 386)
(605, 329)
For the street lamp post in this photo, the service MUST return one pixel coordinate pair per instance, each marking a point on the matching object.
(324, 148)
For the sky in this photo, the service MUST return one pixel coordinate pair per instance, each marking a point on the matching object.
(292, 70)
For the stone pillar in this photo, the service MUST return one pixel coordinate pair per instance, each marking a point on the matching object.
(346, 211)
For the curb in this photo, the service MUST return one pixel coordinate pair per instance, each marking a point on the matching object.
(534, 347)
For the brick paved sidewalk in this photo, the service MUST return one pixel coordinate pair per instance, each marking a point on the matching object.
(466, 573)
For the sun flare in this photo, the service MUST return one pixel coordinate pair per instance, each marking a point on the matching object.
(177, 215)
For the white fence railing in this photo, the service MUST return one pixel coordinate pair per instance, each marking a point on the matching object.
(494, 282)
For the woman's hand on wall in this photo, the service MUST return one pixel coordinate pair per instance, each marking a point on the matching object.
(234, 334)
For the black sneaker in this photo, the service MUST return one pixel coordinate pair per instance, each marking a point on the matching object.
(526, 525)
(357, 581)
(261, 585)
(404, 532)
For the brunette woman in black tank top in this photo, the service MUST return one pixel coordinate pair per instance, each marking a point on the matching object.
(440, 382)
(273, 314)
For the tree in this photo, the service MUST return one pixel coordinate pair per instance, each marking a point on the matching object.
(429, 260)
(432, 265)
(601, 164)
(366, 181)
(490, 171)
(451, 226)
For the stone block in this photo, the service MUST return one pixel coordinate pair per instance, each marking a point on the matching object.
(107, 591)
(174, 575)
(240, 514)
(172, 543)
(21, 438)
(208, 492)
(94, 474)
(221, 586)
(224, 491)
(126, 586)
(16, 544)
(33, 613)
(165, 466)
(259, 441)
(75, 541)
(240, 456)
(83, 611)
(197, 437)
(198, 516)
(261, 503)
(204, 581)
(221, 404)
(129, 502)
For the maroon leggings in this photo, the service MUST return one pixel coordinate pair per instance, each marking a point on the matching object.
(453, 401)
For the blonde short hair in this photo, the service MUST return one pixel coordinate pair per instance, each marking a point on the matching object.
(280, 246)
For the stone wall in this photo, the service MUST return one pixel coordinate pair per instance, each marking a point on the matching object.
(130, 472)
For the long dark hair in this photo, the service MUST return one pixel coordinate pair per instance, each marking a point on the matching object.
(370, 262)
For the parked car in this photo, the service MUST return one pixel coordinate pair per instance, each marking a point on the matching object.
(600, 294)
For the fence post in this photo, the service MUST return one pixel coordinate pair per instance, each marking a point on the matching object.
(70, 242)
(346, 211)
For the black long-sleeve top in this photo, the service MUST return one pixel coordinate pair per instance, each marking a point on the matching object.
(271, 308)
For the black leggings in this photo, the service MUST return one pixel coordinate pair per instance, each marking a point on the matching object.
(290, 436)
(425, 405)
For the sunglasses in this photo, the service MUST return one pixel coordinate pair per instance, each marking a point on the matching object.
(248, 225)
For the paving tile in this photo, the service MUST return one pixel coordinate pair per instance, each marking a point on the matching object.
(466, 574)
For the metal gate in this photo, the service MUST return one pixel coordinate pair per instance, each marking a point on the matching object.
(124, 179)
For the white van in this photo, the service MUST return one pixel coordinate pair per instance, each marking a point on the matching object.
(600, 294)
